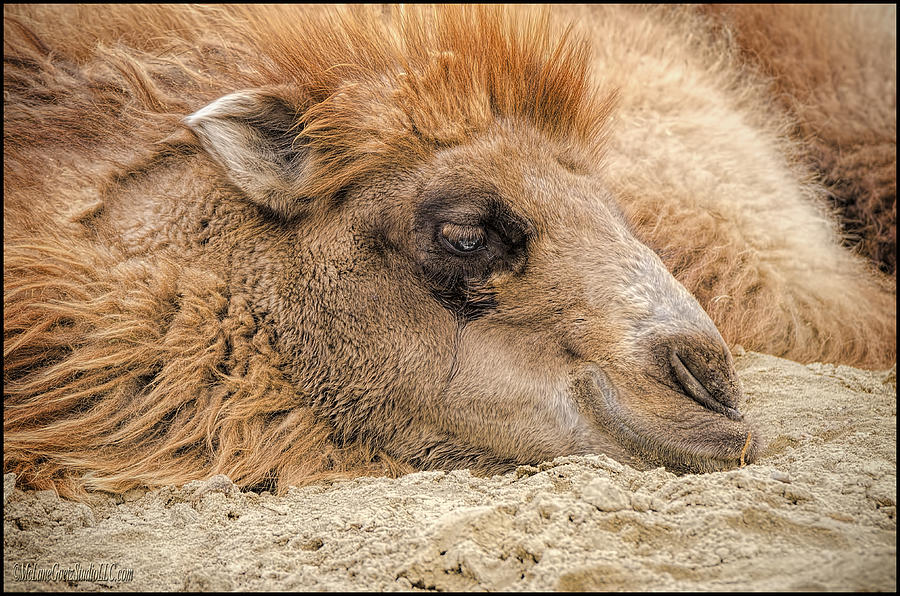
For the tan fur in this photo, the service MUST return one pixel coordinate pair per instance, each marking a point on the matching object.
(726, 201)
(834, 67)
(161, 325)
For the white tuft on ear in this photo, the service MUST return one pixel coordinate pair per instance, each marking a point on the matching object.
(250, 134)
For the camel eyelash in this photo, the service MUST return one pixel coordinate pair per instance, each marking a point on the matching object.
(462, 239)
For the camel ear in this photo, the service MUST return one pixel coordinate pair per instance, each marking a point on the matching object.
(252, 134)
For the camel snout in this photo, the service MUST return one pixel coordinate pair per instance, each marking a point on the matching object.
(704, 371)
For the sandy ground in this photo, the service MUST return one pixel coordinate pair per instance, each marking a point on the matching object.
(817, 512)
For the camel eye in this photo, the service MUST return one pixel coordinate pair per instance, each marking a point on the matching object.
(462, 240)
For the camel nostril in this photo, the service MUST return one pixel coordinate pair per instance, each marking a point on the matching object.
(707, 386)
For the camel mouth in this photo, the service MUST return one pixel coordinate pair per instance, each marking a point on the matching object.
(658, 425)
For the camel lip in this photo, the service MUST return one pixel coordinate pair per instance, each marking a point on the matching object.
(600, 399)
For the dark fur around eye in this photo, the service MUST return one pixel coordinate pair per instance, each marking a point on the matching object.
(462, 240)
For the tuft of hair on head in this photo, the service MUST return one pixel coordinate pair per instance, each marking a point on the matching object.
(349, 93)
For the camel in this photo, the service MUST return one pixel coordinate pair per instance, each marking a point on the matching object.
(295, 243)
(843, 96)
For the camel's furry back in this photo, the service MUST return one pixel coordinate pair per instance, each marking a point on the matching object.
(834, 68)
(708, 168)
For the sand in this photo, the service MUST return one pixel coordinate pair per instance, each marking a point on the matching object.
(816, 512)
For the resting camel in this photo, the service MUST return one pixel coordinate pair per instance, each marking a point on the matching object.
(291, 243)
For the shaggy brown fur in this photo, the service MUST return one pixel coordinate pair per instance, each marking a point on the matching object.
(164, 382)
(168, 348)
(834, 67)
